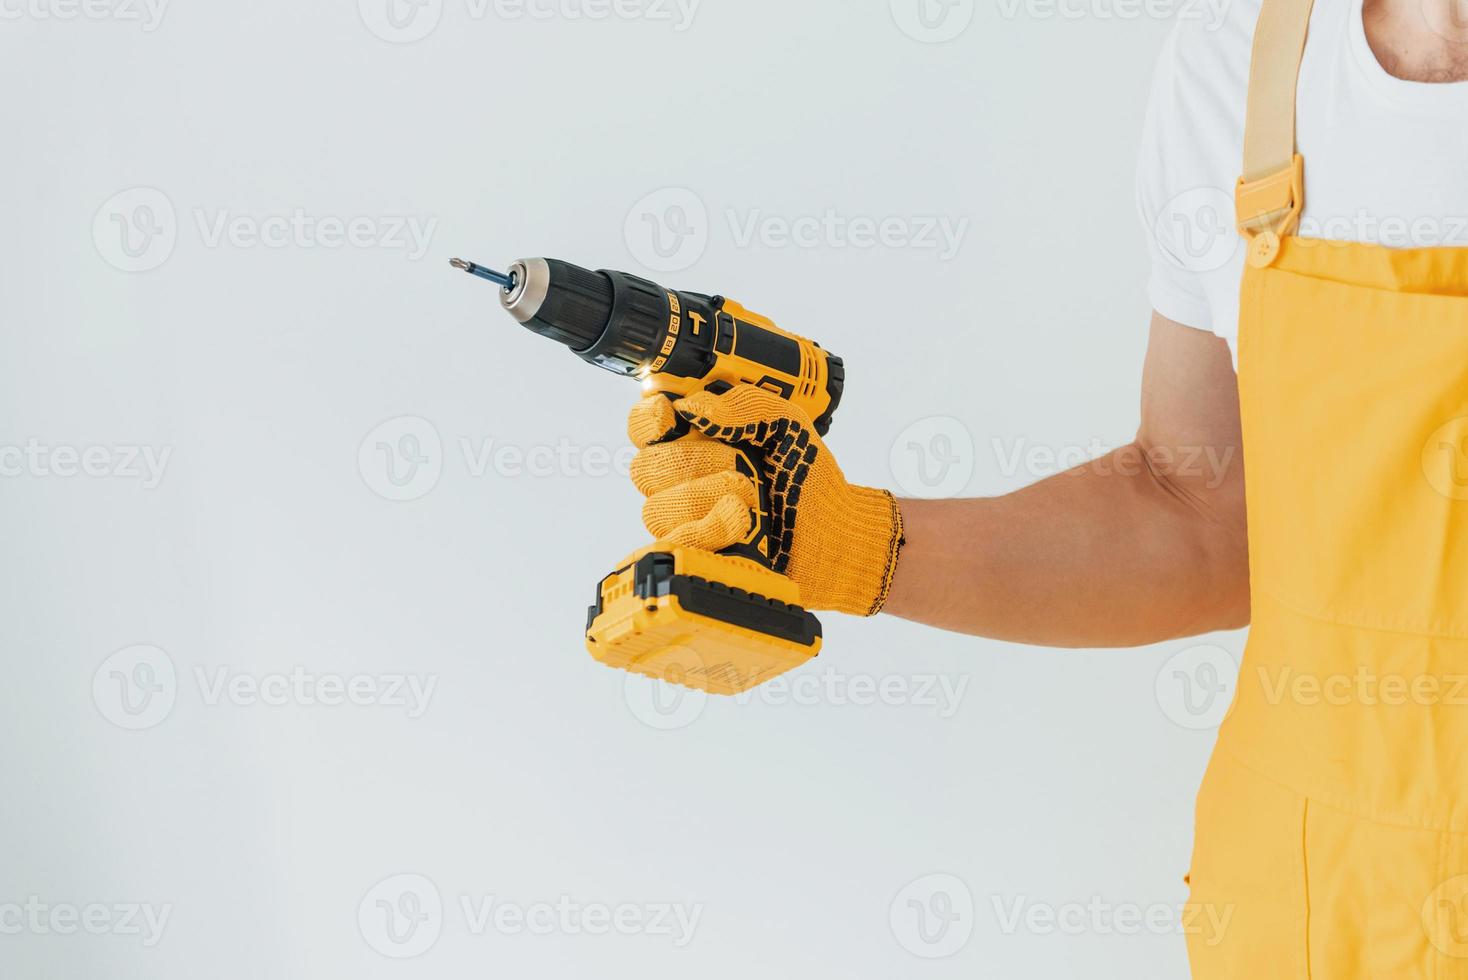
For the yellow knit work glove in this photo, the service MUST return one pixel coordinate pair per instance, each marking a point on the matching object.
(837, 541)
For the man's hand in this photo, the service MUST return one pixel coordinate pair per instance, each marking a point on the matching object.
(837, 541)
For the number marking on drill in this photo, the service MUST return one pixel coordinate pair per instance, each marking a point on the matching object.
(675, 324)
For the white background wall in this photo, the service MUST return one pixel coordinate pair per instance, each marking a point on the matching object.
(799, 826)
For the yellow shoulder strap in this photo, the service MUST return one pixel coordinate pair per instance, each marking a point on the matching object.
(1271, 192)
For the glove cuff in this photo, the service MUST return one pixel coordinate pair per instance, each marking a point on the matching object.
(864, 554)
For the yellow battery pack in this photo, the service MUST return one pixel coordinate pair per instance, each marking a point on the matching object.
(706, 621)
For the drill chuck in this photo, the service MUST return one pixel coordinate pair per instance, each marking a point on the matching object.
(611, 319)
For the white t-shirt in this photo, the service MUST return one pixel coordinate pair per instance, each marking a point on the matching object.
(1386, 160)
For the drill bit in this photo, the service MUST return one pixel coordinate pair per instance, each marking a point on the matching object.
(499, 278)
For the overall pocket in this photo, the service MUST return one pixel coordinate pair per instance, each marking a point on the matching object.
(1356, 433)
(1246, 915)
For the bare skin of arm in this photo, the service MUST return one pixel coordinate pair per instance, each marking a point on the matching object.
(1145, 544)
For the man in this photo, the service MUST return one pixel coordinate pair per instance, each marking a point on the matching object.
(1334, 820)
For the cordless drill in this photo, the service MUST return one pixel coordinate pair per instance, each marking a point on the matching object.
(722, 622)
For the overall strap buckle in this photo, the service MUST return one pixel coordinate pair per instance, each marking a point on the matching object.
(1268, 208)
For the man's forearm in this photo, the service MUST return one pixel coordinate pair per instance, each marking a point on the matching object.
(1119, 552)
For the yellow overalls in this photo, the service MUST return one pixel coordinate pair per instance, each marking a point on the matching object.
(1332, 825)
